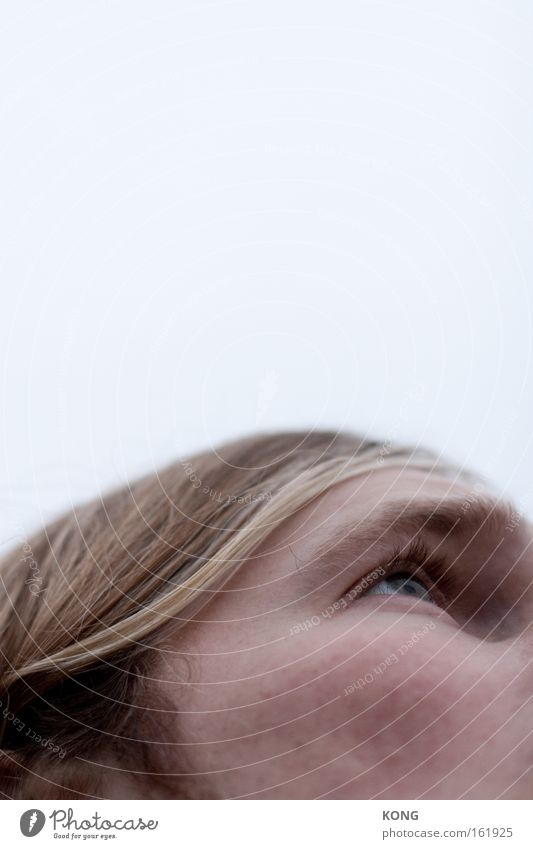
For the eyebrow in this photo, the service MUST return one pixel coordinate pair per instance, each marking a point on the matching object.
(457, 518)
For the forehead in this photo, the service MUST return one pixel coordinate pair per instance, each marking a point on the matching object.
(358, 497)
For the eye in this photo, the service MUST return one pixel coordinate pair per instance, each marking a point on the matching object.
(401, 583)
(413, 570)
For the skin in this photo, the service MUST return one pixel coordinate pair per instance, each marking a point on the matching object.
(272, 708)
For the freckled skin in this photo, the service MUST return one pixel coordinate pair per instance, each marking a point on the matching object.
(268, 716)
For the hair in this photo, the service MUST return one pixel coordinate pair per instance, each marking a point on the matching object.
(86, 602)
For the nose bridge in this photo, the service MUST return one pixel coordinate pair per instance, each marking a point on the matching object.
(525, 636)
(517, 656)
(521, 594)
(515, 560)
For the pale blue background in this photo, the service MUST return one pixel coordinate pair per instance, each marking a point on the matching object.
(219, 217)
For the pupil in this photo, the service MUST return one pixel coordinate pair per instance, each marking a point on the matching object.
(408, 584)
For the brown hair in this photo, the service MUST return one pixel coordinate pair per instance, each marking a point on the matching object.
(85, 603)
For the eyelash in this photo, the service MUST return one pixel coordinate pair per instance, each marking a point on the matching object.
(433, 570)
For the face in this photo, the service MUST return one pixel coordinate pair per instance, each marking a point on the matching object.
(377, 645)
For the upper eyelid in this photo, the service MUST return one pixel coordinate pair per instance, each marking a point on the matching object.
(403, 556)
(344, 560)
(350, 564)
(400, 556)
